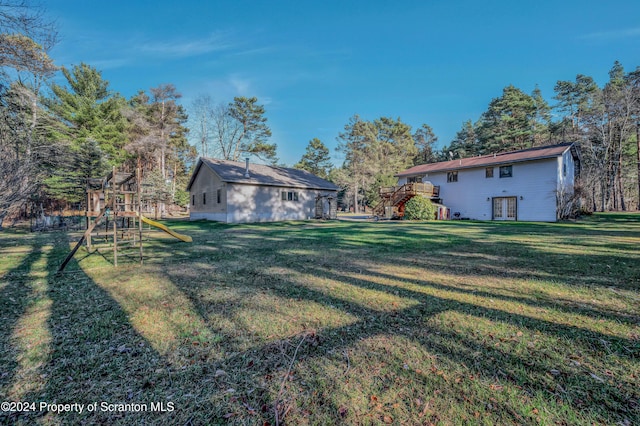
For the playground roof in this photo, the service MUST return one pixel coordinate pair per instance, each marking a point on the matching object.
(260, 174)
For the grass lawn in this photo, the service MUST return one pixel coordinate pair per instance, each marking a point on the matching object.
(328, 323)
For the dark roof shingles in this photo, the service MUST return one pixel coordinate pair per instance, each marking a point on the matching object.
(259, 174)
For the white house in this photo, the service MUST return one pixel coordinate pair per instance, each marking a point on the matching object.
(518, 185)
(231, 191)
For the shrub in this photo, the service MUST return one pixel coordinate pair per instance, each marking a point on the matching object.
(569, 203)
(419, 208)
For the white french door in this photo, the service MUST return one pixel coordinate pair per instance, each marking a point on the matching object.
(505, 208)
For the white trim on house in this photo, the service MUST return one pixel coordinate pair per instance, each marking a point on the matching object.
(536, 177)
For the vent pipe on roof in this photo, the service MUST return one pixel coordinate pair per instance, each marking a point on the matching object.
(246, 167)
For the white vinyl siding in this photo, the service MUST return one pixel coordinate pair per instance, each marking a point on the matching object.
(534, 181)
(566, 171)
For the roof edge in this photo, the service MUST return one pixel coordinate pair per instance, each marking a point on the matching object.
(568, 145)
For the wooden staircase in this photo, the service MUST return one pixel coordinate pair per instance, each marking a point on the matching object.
(395, 197)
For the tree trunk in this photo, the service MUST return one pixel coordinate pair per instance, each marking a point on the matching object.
(623, 205)
(603, 199)
(355, 197)
(638, 159)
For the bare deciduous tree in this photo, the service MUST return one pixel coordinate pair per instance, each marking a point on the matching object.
(26, 37)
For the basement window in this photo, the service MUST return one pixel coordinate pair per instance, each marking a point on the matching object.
(452, 176)
(506, 171)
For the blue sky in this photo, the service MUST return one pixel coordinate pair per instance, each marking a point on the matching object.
(314, 64)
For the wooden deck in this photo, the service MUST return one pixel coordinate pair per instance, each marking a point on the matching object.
(394, 197)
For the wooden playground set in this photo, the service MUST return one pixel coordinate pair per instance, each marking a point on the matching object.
(114, 213)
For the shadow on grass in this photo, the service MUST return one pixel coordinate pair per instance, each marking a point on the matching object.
(14, 299)
(94, 355)
(508, 249)
(539, 374)
(409, 350)
(543, 300)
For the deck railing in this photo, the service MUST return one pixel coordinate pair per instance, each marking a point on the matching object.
(393, 196)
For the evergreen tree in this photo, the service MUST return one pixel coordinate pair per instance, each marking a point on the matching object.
(464, 144)
(425, 141)
(254, 131)
(575, 99)
(158, 141)
(604, 121)
(87, 110)
(90, 129)
(508, 123)
(355, 143)
(374, 153)
(392, 149)
(316, 159)
(541, 119)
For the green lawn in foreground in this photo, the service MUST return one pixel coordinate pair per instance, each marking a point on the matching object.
(330, 322)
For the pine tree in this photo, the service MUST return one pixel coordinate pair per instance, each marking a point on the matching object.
(508, 123)
(425, 141)
(316, 159)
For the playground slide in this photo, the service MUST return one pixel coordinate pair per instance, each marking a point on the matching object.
(185, 238)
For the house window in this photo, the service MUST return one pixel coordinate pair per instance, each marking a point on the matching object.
(204, 198)
(219, 196)
(414, 179)
(452, 176)
(488, 172)
(564, 169)
(289, 196)
(506, 171)
(193, 200)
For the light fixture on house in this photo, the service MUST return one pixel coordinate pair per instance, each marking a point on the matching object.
(488, 199)
(521, 198)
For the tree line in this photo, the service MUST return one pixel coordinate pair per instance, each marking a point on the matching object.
(605, 121)
(53, 137)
